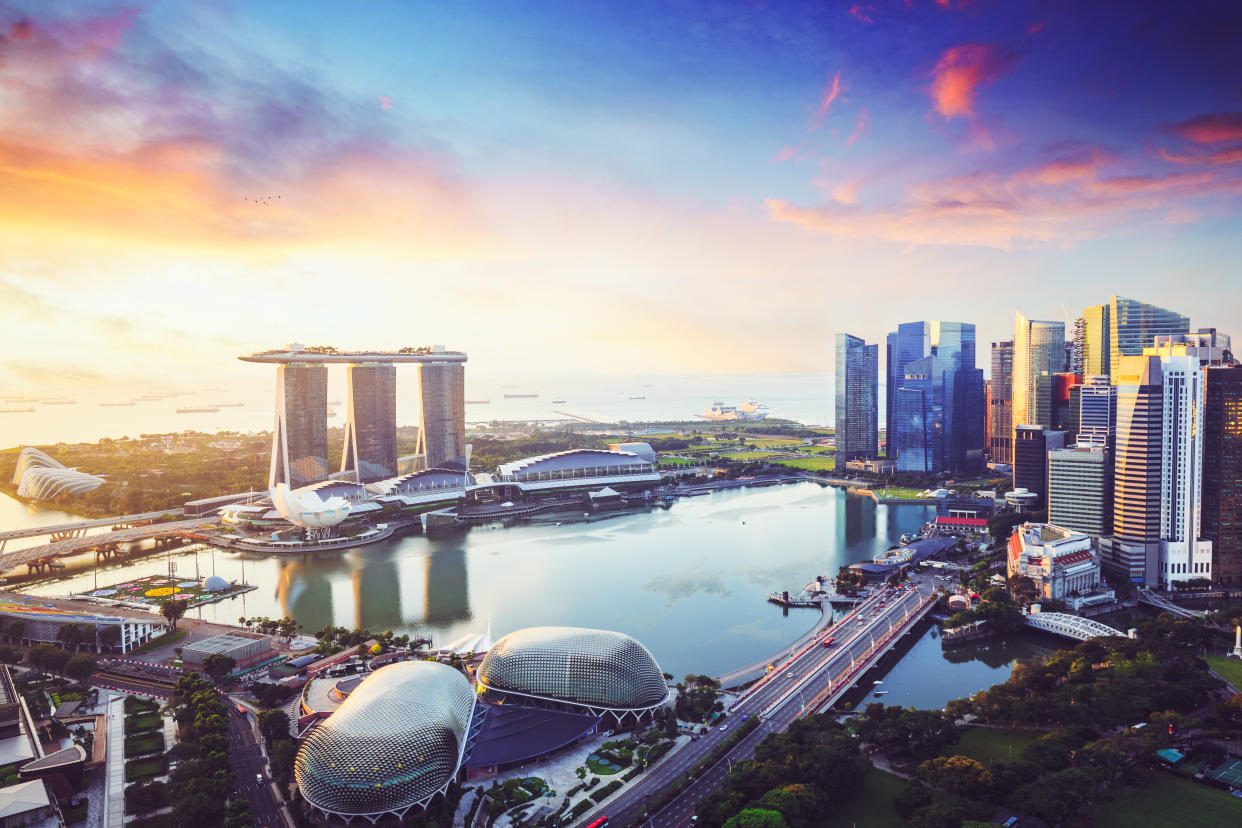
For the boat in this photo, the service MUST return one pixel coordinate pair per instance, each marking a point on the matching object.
(639, 397)
(197, 410)
(113, 404)
(228, 405)
(15, 410)
(477, 402)
(558, 402)
(751, 410)
(60, 402)
(881, 692)
(520, 396)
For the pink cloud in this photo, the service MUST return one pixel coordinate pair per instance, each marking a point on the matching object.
(1232, 155)
(861, 128)
(831, 93)
(847, 193)
(785, 154)
(1206, 129)
(958, 74)
(861, 12)
(385, 102)
(1035, 29)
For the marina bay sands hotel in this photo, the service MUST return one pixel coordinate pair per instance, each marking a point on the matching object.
(300, 435)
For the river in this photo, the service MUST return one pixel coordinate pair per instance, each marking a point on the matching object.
(688, 581)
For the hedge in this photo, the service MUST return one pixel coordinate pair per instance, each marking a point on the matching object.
(136, 769)
(146, 721)
(579, 809)
(603, 793)
(144, 743)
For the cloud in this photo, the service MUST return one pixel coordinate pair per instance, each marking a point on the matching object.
(1035, 29)
(1206, 129)
(784, 154)
(1232, 155)
(958, 74)
(861, 12)
(861, 128)
(385, 102)
(847, 193)
(831, 92)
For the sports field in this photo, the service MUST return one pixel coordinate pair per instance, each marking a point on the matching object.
(1169, 803)
(1229, 772)
(1229, 668)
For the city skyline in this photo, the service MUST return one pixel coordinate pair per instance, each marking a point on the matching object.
(555, 167)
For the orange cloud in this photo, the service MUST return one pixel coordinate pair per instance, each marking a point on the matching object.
(958, 74)
(831, 92)
(1232, 155)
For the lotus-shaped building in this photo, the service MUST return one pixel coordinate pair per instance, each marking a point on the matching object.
(305, 507)
(395, 743)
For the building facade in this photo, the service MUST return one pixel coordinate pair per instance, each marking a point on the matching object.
(371, 423)
(300, 435)
(1060, 561)
(1038, 349)
(857, 388)
(1184, 554)
(1000, 404)
(1222, 472)
(1031, 445)
(1133, 326)
(910, 342)
(1096, 356)
(442, 421)
(1080, 487)
(1097, 412)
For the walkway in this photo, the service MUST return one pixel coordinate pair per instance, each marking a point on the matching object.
(114, 769)
(1070, 626)
(739, 675)
(1165, 605)
(80, 525)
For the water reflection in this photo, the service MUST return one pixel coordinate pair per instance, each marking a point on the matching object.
(446, 596)
(304, 594)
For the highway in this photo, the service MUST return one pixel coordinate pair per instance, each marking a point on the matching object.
(814, 678)
(60, 548)
(80, 525)
(250, 769)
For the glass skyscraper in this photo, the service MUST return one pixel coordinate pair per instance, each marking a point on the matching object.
(371, 426)
(1097, 412)
(442, 425)
(856, 381)
(911, 341)
(1133, 326)
(1000, 406)
(1038, 349)
(1222, 472)
(300, 434)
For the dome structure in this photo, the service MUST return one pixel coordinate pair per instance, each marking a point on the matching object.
(396, 742)
(306, 508)
(214, 583)
(40, 477)
(603, 671)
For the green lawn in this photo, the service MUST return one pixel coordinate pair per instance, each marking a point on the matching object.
(678, 461)
(896, 493)
(1229, 668)
(144, 743)
(988, 744)
(1169, 803)
(817, 450)
(810, 463)
(159, 641)
(136, 769)
(750, 455)
(774, 442)
(142, 722)
(872, 807)
(600, 768)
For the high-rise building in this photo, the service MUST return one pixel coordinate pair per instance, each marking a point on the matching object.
(1054, 397)
(1097, 412)
(1096, 358)
(1080, 490)
(300, 434)
(371, 423)
(1038, 348)
(1222, 472)
(857, 380)
(918, 417)
(1077, 343)
(1031, 445)
(911, 341)
(1134, 325)
(1000, 407)
(442, 424)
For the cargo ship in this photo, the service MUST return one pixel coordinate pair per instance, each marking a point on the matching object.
(520, 396)
(114, 404)
(197, 410)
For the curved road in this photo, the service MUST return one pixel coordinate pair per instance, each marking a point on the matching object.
(814, 675)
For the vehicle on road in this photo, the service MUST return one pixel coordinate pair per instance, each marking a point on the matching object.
(789, 675)
(599, 823)
(258, 777)
(723, 728)
(829, 641)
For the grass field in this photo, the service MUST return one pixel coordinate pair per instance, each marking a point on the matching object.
(896, 493)
(872, 807)
(1169, 803)
(142, 722)
(136, 769)
(144, 743)
(810, 463)
(817, 450)
(1229, 668)
(745, 456)
(774, 442)
(669, 462)
(987, 744)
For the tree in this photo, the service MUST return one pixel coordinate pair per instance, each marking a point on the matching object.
(15, 629)
(110, 635)
(56, 659)
(70, 635)
(274, 724)
(756, 818)
(80, 667)
(173, 610)
(9, 655)
(218, 666)
(237, 814)
(957, 775)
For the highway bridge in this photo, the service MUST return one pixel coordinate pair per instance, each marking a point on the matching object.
(812, 679)
(83, 543)
(79, 527)
(1163, 604)
(1069, 626)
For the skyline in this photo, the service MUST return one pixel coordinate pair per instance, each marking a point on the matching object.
(679, 189)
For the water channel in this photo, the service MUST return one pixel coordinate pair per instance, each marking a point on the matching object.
(688, 581)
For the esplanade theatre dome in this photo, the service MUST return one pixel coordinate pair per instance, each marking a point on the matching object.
(395, 743)
(603, 671)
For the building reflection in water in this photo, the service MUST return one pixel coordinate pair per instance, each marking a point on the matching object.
(377, 590)
(304, 595)
(447, 596)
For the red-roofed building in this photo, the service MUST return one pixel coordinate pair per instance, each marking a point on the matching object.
(1062, 563)
(965, 526)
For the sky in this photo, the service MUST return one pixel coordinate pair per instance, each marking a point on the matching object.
(619, 188)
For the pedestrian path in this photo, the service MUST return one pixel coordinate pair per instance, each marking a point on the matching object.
(114, 769)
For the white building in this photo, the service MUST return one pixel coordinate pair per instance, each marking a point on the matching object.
(1060, 562)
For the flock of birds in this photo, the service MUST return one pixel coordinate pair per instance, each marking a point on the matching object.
(266, 201)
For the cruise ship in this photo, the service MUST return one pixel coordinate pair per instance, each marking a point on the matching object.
(749, 410)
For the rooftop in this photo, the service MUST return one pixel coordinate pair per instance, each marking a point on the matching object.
(225, 642)
(295, 352)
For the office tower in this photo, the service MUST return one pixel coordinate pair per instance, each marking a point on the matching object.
(1054, 394)
(371, 423)
(911, 341)
(1222, 472)
(1133, 326)
(1038, 348)
(1031, 445)
(1080, 490)
(1076, 357)
(1207, 345)
(300, 435)
(967, 434)
(442, 420)
(857, 380)
(918, 417)
(1096, 358)
(1097, 412)
(1000, 433)
(1134, 548)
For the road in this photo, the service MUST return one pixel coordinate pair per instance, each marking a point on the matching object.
(814, 677)
(249, 766)
(71, 546)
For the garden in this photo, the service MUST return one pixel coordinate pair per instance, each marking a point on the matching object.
(154, 590)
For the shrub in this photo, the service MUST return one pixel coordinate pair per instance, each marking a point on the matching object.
(604, 792)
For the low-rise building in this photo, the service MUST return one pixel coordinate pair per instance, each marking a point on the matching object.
(1061, 562)
(247, 649)
(43, 621)
(877, 466)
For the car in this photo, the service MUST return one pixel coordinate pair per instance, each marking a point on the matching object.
(830, 641)
(860, 623)
(258, 778)
(723, 727)
(789, 675)
(1009, 823)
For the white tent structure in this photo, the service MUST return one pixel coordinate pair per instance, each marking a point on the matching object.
(39, 477)
(304, 507)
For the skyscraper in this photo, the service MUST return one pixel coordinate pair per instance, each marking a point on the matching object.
(300, 434)
(1097, 412)
(1096, 357)
(442, 422)
(1077, 355)
(856, 380)
(1038, 348)
(1031, 445)
(1000, 431)
(371, 423)
(1080, 490)
(1053, 396)
(918, 417)
(1133, 326)
(1222, 472)
(911, 341)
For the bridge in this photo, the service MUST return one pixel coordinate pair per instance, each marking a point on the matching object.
(741, 674)
(1163, 604)
(43, 555)
(1069, 626)
(811, 679)
(78, 528)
